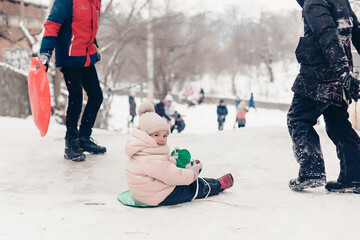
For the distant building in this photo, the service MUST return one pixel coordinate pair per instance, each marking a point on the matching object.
(15, 48)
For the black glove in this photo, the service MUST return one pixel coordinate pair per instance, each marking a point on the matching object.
(98, 57)
(351, 84)
(45, 59)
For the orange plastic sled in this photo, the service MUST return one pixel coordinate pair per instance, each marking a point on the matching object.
(39, 94)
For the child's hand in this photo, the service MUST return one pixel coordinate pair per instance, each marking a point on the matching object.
(191, 163)
(198, 162)
(197, 168)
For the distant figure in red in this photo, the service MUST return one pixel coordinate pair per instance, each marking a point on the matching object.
(240, 115)
(191, 97)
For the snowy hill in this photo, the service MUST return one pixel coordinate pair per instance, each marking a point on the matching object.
(44, 196)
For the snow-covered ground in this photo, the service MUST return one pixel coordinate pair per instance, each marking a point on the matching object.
(44, 196)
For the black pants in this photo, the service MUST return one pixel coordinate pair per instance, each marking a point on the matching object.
(221, 122)
(302, 116)
(184, 193)
(77, 79)
(132, 118)
(179, 125)
(241, 122)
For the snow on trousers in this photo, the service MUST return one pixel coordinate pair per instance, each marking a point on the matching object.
(77, 78)
(185, 193)
(302, 116)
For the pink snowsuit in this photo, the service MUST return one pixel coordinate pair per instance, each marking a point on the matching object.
(150, 171)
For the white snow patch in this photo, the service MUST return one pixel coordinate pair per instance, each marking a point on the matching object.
(5, 65)
(44, 3)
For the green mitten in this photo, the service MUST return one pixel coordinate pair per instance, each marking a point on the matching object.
(182, 157)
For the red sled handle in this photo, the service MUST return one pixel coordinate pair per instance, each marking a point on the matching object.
(36, 65)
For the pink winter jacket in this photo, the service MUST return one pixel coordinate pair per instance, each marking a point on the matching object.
(150, 171)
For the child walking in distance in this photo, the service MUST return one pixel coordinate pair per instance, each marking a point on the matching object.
(152, 174)
(241, 115)
(222, 112)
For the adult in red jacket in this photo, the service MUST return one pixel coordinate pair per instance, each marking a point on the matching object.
(71, 29)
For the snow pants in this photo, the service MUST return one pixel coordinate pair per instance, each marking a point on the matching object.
(77, 79)
(221, 122)
(186, 193)
(132, 118)
(241, 122)
(302, 116)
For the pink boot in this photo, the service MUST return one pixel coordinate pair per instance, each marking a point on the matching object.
(226, 181)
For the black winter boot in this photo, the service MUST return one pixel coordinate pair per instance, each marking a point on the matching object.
(298, 185)
(88, 145)
(350, 187)
(73, 151)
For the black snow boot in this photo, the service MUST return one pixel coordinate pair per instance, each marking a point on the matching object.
(350, 187)
(88, 145)
(73, 151)
(298, 185)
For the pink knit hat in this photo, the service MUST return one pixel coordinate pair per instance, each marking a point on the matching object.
(150, 121)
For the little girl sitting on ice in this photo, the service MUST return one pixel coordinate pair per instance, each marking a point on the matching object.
(152, 174)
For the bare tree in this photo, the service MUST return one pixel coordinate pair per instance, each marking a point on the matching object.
(254, 41)
(187, 47)
(177, 50)
(121, 36)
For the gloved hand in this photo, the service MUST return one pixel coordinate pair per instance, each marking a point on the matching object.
(198, 162)
(98, 57)
(45, 59)
(196, 168)
(351, 84)
(192, 163)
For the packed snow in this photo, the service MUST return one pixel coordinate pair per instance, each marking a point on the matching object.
(44, 196)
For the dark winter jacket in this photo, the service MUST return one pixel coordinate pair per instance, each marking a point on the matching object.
(179, 123)
(132, 104)
(160, 109)
(222, 111)
(324, 52)
(71, 29)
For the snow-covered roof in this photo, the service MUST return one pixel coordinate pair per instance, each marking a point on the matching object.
(43, 3)
(5, 65)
